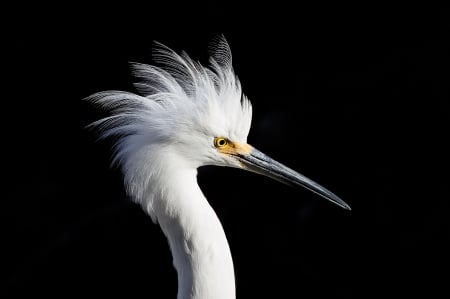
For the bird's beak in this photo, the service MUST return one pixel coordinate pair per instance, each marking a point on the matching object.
(255, 161)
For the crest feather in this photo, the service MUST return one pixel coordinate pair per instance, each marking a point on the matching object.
(176, 97)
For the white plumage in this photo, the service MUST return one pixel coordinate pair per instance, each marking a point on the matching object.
(187, 116)
(182, 106)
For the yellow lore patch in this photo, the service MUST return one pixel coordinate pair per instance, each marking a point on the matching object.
(226, 146)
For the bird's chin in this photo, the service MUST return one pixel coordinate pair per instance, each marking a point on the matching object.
(233, 163)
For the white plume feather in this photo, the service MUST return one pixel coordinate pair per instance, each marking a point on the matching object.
(179, 102)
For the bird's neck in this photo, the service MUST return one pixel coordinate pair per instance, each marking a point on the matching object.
(200, 250)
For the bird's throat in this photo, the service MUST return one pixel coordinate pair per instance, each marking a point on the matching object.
(200, 250)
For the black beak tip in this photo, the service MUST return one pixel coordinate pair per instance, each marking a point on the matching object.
(347, 207)
(340, 203)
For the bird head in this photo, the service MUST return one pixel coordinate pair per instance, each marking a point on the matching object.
(190, 114)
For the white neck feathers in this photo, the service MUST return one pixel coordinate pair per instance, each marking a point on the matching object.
(200, 250)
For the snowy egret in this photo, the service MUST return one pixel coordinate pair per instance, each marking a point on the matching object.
(187, 116)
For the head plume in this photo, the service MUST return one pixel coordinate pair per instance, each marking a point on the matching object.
(178, 98)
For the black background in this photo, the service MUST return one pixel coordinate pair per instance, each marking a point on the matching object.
(354, 97)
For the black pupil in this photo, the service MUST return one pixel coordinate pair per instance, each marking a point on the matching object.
(221, 142)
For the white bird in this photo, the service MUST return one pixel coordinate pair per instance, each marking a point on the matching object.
(187, 116)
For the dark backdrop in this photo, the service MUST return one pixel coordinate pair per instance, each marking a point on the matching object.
(354, 97)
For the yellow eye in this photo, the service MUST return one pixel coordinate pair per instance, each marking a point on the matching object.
(220, 142)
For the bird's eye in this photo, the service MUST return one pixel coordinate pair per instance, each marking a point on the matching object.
(220, 142)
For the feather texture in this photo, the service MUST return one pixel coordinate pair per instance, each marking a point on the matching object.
(181, 104)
